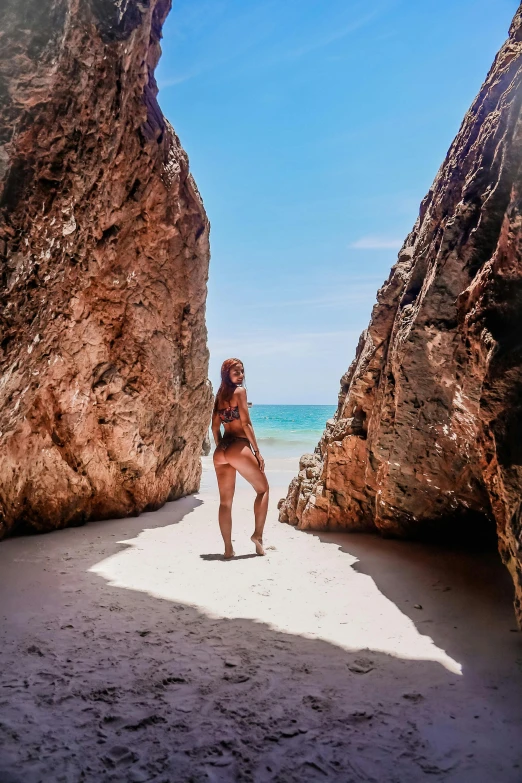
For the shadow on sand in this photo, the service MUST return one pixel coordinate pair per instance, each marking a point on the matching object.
(465, 598)
(210, 558)
(106, 683)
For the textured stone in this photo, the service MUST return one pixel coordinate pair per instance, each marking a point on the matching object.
(206, 446)
(427, 437)
(104, 398)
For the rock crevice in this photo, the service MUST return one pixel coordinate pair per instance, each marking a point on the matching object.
(427, 435)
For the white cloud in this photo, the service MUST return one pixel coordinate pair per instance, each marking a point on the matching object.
(230, 39)
(377, 243)
(333, 36)
(226, 37)
(287, 367)
(264, 344)
(179, 79)
(350, 297)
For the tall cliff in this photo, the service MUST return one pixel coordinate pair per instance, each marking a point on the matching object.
(104, 398)
(427, 437)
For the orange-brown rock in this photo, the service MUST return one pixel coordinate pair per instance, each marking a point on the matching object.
(427, 437)
(104, 398)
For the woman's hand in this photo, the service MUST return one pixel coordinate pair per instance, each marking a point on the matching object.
(260, 461)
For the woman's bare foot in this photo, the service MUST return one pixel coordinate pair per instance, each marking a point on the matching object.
(229, 555)
(259, 545)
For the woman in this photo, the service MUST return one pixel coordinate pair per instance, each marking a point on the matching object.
(237, 450)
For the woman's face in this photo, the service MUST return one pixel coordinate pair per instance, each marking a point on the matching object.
(237, 374)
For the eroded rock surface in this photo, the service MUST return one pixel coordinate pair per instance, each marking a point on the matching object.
(104, 398)
(427, 437)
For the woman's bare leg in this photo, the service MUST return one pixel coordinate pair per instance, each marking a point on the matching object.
(260, 512)
(226, 478)
(242, 459)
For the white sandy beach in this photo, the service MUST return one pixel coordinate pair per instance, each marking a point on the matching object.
(132, 652)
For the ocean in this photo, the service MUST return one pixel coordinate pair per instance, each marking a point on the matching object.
(284, 431)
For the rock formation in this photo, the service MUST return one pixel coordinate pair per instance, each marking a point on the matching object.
(104, 398)
(206, 447)
(427, 437)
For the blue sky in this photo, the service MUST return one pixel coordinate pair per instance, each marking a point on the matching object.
(314, 128)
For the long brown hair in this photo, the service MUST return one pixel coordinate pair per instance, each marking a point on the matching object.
(226, 390)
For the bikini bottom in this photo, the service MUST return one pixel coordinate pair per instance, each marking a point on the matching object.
(228, 440)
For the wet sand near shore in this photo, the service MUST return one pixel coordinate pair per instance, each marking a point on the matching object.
(131, 651)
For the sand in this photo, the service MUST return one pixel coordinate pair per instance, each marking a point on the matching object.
(130, 651)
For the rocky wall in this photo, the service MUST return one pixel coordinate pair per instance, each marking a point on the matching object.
(427, 437)
(104, 397)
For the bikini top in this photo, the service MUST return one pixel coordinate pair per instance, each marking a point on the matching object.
(228, 414)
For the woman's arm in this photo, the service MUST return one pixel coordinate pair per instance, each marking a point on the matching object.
(216, 427)
(244, 415)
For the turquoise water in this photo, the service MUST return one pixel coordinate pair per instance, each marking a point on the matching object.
(289, 430)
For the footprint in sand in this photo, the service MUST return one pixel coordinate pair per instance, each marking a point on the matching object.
(119, 755)
(361, 666)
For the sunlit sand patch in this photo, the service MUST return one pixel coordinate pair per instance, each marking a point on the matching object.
(302, 587)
